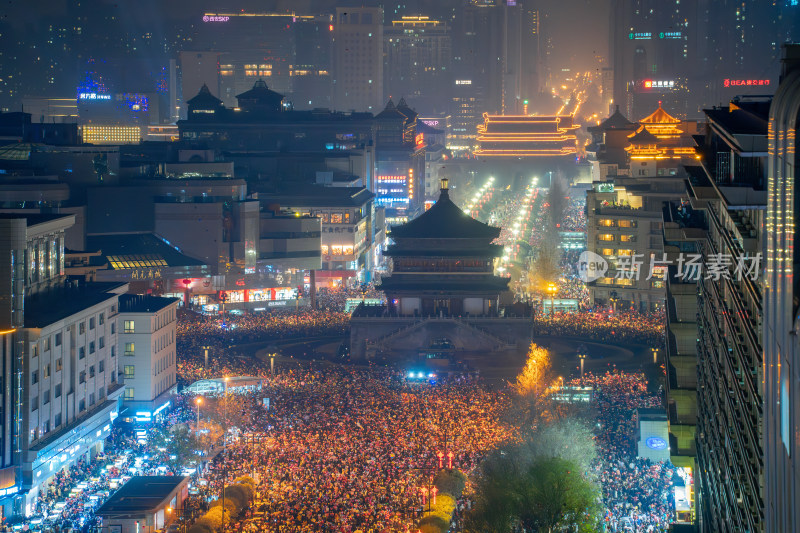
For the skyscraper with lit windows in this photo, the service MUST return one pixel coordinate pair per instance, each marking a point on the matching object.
(781, 365)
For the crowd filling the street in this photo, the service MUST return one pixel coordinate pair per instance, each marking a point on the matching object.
(346, 448)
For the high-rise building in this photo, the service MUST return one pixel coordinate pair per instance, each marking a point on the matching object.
(251, 46)
(358, 59)
(467, 101)
(739, 45)
(311, 73)
(715, 239)
(60, 360)
(478, 54)
(651, 49)
(418, 58)
(781, 295)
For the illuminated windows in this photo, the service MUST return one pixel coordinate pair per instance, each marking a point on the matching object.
(129, 326)
(605, 237)
(130, 349)
(624, 251)
(325, 249)
(336, 249)
(111, 134)
(607, 251)
(336, 218)
(626, 238)
(626, 223)
(606, 222)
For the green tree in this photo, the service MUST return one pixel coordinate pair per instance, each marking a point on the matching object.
(541, 484)
(182, 446)
(553, 494)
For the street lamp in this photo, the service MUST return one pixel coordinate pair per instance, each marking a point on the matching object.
(582, 357)
(198, 401)
(205, 354)
(272, 363)
(655, 354)
(552, 289)
(224, 445)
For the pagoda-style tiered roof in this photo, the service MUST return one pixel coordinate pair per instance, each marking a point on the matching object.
(204, 100)
(617, 121)
(643, 138)
(662, 124)
(447, 254)
(260, 97)
(445, 220)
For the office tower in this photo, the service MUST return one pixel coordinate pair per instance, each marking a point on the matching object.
(311, 72)
(478, 55)
(418, 58)
(781, 294)
(521, 56)
(358, 59)
(651, 49)
(715, 239)
(739, 45)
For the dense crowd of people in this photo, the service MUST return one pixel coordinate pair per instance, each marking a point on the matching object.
(604, 326)
(335, 299)
(575, 214)
(196, 332)
(344, 449)
(636, 491)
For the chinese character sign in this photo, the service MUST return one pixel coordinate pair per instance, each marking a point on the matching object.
(727, 82)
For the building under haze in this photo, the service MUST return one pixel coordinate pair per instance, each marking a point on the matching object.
(358, 59)
(418, 61)
(781, 381)
(652, 47)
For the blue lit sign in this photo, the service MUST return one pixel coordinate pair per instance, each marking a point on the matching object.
(655, 443)
(93, 96)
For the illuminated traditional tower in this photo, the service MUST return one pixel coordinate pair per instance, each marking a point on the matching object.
(526, 136)
(443, 264)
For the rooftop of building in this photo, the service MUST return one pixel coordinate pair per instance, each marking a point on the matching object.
(659, 116)
(316, 196)
(143, 303)
(204, 99)
(33, 219)
(643, 137)
(617, 121)
(445, 220)
(139, 250)
(47, 307)
(262, 93)
(741, 118)
(141, 494)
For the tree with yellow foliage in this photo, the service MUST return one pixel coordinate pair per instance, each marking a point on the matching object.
(535, 376)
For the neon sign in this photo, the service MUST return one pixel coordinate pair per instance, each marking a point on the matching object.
(656, 443)
(93, 96)
(738, 83)
(638, 36)
(419, 140)
(215, 18)
(431, 123)
(658, 84)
